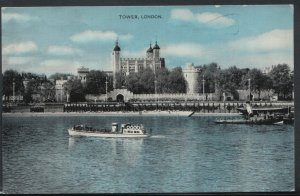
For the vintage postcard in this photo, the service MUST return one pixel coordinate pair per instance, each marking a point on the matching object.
(148, 99)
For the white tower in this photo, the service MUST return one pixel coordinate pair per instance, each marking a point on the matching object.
(191, 75)
(116, 62)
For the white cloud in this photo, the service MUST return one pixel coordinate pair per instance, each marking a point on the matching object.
(19, 48)
(58, 65)
(18, 60)
(183, 50)
(212, 19)
(182, 14)
(269, 41)
(257, 60)
(6, 17)
(63, 50)
(90, 36)
(134, 54)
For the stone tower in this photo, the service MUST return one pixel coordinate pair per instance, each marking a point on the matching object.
(191, 75)
(116, 62)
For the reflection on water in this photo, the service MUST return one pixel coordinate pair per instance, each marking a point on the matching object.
(127, 149)
(182, 155)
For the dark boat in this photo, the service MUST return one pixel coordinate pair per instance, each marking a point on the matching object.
(259, 116)
(257, 110)
(289, 118)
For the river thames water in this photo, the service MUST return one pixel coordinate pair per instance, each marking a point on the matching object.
(182, 155)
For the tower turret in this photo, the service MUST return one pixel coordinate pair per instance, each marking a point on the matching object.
(116, 61)
(191, 75)
(156, 51)
(150, 52)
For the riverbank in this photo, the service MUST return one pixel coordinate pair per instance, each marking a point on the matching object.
(144, 113)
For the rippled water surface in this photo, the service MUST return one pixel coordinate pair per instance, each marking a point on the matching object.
(183, 155)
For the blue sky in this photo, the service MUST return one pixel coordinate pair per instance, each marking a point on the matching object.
(61, 39)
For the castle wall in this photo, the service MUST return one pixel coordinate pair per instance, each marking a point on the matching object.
(129, 96)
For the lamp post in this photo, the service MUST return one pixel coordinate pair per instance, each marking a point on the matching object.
(249, 83)
(203, 81)
(106, 89)
(61, 94)
(14, 85)
(293, 93)
(155, 88)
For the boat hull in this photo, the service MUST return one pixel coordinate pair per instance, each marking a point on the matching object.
(259, 110)
(107, 135)
(253, 122)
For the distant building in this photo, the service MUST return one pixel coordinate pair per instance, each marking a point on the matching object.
(191, 75)
(129, 65)
(82, 73)
(108, 73)
(267, 70)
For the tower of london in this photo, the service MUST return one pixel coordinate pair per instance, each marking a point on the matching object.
(129, 65)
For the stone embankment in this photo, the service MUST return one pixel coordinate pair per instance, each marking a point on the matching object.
(198, 107)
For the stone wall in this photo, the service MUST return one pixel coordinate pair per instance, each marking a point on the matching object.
(264, 95)
(54, 108)
(129, 96)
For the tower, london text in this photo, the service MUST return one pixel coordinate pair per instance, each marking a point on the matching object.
(137, 17)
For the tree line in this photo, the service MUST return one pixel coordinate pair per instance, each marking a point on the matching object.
(279, 79)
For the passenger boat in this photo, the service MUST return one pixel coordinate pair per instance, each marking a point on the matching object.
(127, 131)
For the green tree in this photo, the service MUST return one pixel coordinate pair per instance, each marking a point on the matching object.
(163, 82)
(10, 77)
(120, 80)
(177, 83)
(147, 81)
(75, 89)
(229, 80)
(282, 80)
(95, 82)
(133, 83)
(47, 91)
(258, 81)
(142, 82)
(209, 74)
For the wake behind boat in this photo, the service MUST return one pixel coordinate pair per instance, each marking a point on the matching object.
(127, 131)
